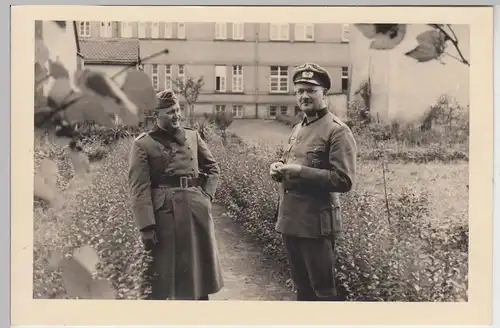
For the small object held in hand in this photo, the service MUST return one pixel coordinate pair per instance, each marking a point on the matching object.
(289, 169)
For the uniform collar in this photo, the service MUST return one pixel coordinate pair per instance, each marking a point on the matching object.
(177, 135)
(319, 114)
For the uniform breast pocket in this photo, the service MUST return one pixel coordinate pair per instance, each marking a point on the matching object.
(316, 157)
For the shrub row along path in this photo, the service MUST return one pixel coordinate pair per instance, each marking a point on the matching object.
(248, 274)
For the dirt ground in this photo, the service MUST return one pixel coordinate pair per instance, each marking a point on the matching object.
(248, 274)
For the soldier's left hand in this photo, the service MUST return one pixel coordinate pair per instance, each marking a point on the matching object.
(290, 169)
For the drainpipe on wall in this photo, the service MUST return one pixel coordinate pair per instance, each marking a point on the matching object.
(256, 71)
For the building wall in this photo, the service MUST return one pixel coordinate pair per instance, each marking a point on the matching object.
(403, 88)
(199, 51)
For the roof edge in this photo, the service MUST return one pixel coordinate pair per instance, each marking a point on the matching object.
(110, 62)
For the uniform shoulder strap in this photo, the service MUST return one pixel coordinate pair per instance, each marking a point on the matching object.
(140, 136)
(146, 140)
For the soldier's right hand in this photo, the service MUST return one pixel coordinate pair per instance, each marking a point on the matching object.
(274, 170)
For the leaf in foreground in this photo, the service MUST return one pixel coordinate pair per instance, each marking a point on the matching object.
(137, 86)
(45, 182)
(77, 276)
(54, 260)
(384, 36)
(80, 163)
(102, 289)
(389, 40)
(87, 257)
(76, 279)
(431, 45)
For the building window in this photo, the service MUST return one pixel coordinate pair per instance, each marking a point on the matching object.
(345, 78)
(155, 76)
(181, 30)
(106, 29)
(126, 29)
(238, 111)
(273, 110)
(84, 29)
(168, 31)
(238, 31)
(141, 30)
(345, 33)
(168, 77)
(181, 75)
(279, 32)
(220, 108)
(155, 30)
(220, 31)
(182, 107)
(283, 109)
(220, 78)
(304, 32)
(238, 78)
(278, 79)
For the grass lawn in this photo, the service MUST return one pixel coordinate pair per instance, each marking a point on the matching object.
(265, 131)
(446, 185)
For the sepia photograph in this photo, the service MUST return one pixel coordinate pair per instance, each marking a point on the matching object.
(251, 160)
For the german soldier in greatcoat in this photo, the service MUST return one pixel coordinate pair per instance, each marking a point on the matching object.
(172, 180)
(318, 164)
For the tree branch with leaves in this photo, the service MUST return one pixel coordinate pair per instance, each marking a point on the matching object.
(190, 89)
(432, 44)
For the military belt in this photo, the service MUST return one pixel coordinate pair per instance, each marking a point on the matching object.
(177, 181)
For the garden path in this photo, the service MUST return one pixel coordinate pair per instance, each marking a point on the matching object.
(248, 274)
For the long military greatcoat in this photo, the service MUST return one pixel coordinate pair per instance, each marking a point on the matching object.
(186, 262)
(309, 203)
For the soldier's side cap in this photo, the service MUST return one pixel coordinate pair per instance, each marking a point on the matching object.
(312, 73)
(166, 98)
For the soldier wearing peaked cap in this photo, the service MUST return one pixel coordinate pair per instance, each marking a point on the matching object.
(318, 164)
(172, 180)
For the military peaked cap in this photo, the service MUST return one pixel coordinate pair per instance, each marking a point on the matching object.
(312, 73)
(166, 98)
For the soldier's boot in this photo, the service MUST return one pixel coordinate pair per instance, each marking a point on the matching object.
(305, 295)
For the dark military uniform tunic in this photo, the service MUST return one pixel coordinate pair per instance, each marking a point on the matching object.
(186, 263)
(309, 208)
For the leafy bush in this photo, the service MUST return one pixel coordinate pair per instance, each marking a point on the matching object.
(407, 259)
(95, 214)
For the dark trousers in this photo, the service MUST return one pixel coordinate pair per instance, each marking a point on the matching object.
(312, 267)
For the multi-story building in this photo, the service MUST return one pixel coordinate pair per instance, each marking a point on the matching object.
(246, 67)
